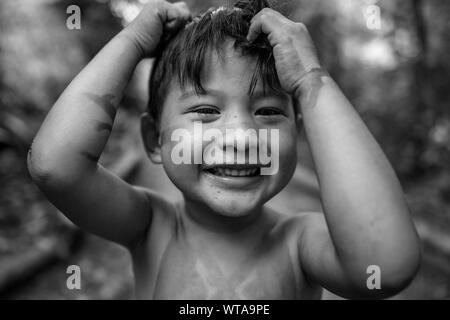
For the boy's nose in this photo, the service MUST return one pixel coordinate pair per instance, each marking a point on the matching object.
(239, 117)
(240, 138)
(241, 135)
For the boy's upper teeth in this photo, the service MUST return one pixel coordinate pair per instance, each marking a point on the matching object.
(235, 172)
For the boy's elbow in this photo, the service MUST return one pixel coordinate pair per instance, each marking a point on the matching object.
(403, 262)
(401, 272)
(45, 169)
(391, 276)
(399, 261)
(37, 167)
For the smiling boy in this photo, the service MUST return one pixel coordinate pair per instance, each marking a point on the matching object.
(245, 67)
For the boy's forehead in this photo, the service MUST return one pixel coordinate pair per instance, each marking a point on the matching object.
(227, 63)
(226, 69)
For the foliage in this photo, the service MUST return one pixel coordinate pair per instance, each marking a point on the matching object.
(397, 77)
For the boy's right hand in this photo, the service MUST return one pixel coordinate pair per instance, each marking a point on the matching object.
(157, 17)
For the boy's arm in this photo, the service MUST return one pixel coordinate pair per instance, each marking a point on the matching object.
(366, 219)
(366, 214)
(63, 159)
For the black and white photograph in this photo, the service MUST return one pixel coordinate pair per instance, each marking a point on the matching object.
(224, 150)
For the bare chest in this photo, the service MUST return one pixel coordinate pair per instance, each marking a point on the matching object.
(190, 273)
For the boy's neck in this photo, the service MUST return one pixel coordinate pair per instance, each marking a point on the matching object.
(209, 220)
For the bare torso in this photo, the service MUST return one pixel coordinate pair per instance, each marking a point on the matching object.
(176, 262)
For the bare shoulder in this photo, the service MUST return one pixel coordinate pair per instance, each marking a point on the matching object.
(156, 201)
(294, 225)
(299, 221)
(308, 219)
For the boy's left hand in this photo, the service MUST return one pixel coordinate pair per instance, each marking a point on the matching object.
(293, 49)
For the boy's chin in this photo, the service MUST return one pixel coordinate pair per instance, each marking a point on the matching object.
(234, 208)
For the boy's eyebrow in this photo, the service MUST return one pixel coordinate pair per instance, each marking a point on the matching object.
(192, 92)
(254, 96)
(259, 94)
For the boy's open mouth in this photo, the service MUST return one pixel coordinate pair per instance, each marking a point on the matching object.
(234, 170)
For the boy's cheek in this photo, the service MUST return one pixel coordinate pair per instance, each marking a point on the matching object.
(179, 145)
(288, 141)
(288, 151)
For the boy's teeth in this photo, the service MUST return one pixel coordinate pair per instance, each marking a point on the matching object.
(234, 172)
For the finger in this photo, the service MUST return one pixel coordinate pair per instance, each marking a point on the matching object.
(173, 16)
(178, 11)
(259, 24)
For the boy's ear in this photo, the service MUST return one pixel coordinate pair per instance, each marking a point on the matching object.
(150, 137)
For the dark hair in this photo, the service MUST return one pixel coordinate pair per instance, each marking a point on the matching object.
(183, 56)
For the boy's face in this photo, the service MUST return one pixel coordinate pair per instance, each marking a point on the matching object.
(228, 189)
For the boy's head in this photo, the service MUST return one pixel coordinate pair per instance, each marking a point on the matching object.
(215, 97)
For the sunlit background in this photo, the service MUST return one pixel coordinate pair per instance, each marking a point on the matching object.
(391, 58)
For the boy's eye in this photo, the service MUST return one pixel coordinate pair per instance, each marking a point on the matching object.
(269, 112)
(205, 110)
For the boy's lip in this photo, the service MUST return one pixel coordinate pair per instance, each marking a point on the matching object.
(232, 181)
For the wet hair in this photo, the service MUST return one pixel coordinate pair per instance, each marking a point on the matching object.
(182, 58)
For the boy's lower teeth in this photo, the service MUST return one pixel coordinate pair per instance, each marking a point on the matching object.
(234, 172)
